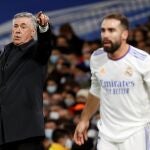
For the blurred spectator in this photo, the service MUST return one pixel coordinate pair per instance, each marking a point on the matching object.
(86, 60)
(46, 99)
(140, 36)
(131, 39)
(50, 126)
(95, 44)
(82, 95)
(59, 112)
(71, 86)
(63, 44)
(61, 140)
(46, 104)
(51, 86)
(74, 59)
(55, 55)
(82, 75)
(62, 73)
(74, 41)
(69, 99)
(56, 99)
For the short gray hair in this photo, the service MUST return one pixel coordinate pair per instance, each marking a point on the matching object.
(27, 15)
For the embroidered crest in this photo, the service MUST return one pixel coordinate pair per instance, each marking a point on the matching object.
(102, 71)
(129, 71)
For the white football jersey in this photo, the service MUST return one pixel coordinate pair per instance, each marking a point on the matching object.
(123, 86)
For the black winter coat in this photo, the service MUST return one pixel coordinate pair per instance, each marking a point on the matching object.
(22, 72)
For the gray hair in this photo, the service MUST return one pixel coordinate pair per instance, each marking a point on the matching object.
(28, 15)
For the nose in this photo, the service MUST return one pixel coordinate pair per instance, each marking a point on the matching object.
(17, 30)
(105, 34)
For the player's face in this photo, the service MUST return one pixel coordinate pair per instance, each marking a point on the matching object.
(22, 30)
(111, 35)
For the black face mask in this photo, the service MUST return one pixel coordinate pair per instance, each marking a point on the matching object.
(114, 47)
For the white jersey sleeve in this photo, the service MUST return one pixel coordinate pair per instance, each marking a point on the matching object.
(94, 63)
(95, 87)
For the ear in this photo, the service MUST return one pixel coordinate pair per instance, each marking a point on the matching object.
(125, 34)
(32, 33)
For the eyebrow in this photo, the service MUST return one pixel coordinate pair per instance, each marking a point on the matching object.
(20, 24)
(111, 28)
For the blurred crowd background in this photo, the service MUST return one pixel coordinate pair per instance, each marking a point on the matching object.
(75, 36)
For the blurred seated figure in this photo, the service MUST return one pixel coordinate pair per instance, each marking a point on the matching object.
(140, 36)
(56, 54)
(82, 75)
(51, 86)
(62, 72)
(50, 126)
(74, 41)
(82, 95)
(61, 140)
(63, 44)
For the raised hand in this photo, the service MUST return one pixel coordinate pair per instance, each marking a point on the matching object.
(42, 19)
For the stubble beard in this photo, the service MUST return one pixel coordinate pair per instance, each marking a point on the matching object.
(113, 48)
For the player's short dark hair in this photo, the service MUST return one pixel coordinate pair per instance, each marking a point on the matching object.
(118, 16)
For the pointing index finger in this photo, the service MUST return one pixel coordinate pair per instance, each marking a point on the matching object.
(39, 13)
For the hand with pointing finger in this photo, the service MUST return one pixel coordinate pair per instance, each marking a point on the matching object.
(42, 19)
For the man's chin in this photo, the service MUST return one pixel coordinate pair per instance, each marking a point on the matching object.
(107, 49)
(16, 41)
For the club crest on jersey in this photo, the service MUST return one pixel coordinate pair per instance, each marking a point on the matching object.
(129, 71)
(102, 71)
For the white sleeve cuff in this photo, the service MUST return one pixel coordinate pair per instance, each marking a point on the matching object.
(43, 29)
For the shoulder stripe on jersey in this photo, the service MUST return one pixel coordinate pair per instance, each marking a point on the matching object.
(98, 52)
(137, 54)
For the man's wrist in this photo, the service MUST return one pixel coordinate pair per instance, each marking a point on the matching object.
(43, 29)
(84, 119)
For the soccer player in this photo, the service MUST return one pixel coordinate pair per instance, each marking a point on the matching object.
(120, 86)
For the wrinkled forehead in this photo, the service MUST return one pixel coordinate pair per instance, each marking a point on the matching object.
(110, 23)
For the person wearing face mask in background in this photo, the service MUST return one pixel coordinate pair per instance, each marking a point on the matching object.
(50, 126)
(69, 99)
(51, 86)
(54, 57)
(86, 54)
(61, 140)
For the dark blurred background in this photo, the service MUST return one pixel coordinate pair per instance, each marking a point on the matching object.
(83, 15)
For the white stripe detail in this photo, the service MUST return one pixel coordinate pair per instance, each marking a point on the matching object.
(147, 136)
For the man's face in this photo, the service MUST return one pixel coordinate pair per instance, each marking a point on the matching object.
(112, 35)
(22, 30)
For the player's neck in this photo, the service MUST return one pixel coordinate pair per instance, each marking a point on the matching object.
(120, 52)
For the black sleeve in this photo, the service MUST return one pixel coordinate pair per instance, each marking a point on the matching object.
(43, 47)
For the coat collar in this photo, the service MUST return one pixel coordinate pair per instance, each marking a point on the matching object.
(27, 45)
(22, 47)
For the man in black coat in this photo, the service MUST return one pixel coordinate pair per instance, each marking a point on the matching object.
(22, 71)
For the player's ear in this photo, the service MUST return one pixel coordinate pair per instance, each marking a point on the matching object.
(125, 34)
